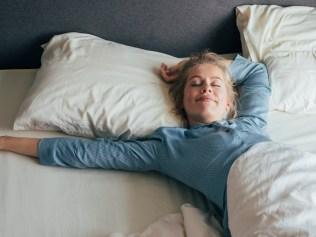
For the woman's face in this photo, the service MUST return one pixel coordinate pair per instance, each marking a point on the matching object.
(205, 94)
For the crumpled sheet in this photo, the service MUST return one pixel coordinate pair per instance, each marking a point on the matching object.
(190, 222)
(271, 192)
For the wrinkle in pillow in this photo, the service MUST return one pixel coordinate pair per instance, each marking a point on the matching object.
(91, 87)
(284, 38)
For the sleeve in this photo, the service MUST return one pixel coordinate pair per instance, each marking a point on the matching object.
(133, 155)
(254, 90)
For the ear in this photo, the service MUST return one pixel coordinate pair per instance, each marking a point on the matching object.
(228, 106)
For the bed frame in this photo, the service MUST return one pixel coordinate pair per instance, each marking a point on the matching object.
(177, 27)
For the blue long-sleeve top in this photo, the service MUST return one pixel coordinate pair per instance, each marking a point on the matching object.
(199, 156)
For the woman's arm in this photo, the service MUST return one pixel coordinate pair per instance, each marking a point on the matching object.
(137, 155)
(20, 145)
(252, 81)
(133, 154)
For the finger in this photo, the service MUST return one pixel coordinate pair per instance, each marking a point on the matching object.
(173, 69)
(163, 72)
(173, 77)
(170, 79)
(167, 74)
(163, 65)
(165, 77)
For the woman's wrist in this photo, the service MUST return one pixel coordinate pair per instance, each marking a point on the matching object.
(2, 142)
(20, 145)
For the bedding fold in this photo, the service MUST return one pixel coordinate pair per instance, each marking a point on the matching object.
(189, 222)
(271, 191)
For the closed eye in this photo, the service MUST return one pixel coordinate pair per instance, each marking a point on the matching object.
(197, 81)
(196, 84)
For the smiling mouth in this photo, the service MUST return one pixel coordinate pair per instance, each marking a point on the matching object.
(206, 99)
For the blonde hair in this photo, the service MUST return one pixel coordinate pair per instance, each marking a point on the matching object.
(177, 87)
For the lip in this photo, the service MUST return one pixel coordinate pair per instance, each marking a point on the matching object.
(205, 99)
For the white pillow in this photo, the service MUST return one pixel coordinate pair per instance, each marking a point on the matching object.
(284, 38)
(91, 87)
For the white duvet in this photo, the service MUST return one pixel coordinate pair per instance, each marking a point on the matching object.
(272, 192)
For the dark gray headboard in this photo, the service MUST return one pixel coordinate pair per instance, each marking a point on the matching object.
(176, 27)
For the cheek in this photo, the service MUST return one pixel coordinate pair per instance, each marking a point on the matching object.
(223, 94)
(189, 99)
(186, 100)
(226, 99)
(223, 98)
(188, 94)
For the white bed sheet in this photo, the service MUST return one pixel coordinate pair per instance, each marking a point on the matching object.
(296, 130)
(47, 201)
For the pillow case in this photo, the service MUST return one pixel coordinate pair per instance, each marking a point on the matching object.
(91, 87)
(284, 38)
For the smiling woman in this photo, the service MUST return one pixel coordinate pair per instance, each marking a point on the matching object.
(204, 91)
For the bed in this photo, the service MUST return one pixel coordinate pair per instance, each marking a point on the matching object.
(37, 200)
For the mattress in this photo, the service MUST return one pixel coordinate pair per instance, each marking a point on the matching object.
(37, 200)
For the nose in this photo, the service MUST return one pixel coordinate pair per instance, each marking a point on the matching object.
(206, 89)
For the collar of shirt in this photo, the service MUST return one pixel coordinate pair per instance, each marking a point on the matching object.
(218, 123)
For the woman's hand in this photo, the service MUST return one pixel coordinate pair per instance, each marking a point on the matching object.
(170, 74)
(20, 145)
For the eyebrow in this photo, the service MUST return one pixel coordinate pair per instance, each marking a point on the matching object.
(214, 77)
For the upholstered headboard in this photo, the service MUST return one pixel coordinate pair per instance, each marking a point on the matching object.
(176, 27)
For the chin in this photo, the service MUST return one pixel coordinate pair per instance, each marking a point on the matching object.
(208, 119)
(204, 116)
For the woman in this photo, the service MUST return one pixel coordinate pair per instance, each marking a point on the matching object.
(199, 155)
